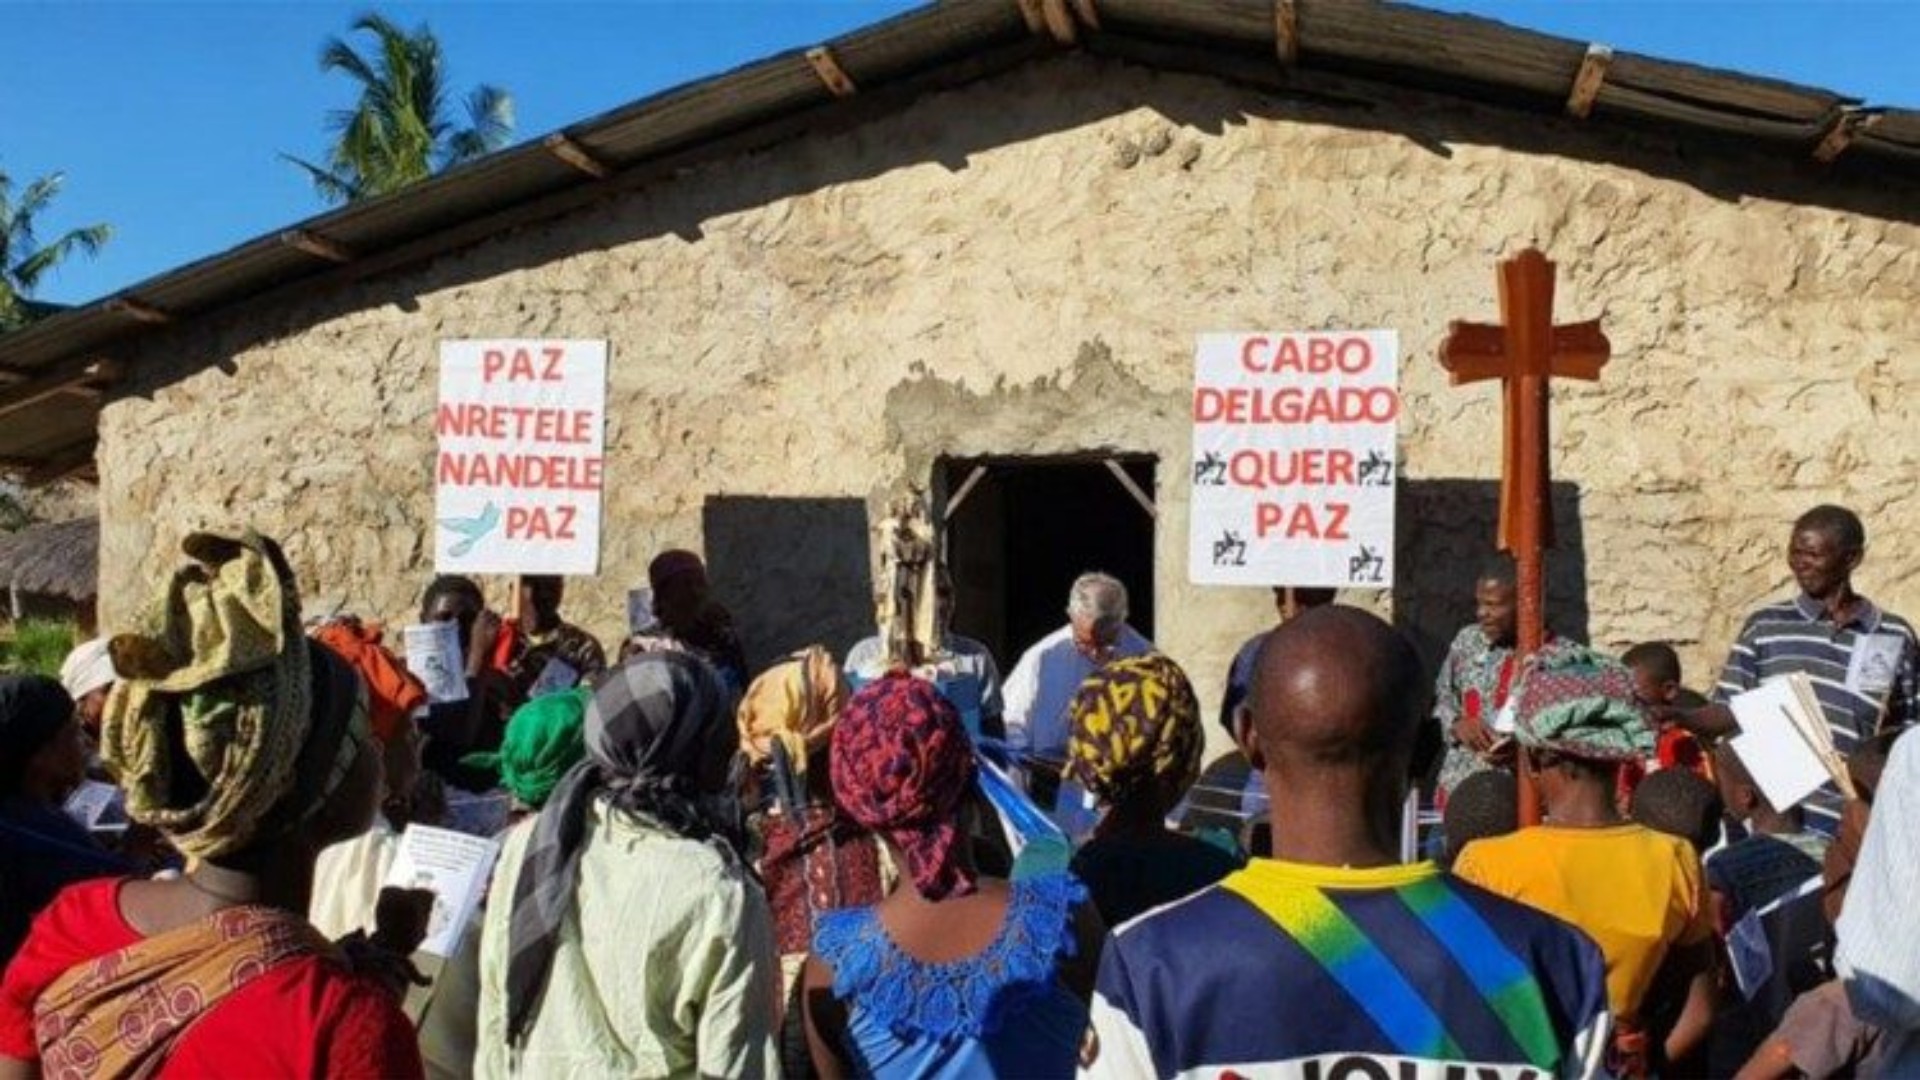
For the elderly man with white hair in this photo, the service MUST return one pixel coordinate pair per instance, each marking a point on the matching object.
(1041, 688)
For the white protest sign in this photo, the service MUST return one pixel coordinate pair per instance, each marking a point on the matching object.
(1294, 438)
(522, 428)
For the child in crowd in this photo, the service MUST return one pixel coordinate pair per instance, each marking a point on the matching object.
(1657, 683)
(1678, 803)
(1484, 805)
(1778, 854)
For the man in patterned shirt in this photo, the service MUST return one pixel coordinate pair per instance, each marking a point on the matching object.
(1475, 678)
(1862, 660)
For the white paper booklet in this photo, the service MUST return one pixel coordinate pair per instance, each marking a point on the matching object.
(1784, 741)
(453, 866)
(433, 656)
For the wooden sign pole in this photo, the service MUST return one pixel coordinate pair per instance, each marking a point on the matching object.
(1525, 351)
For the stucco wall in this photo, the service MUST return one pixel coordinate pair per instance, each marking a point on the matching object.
(1020, 267)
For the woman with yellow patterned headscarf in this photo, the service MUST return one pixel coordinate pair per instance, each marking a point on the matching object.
(1135, 746)
(248, 746)
(813, 857)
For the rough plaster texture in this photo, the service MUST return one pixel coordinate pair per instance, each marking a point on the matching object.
(1020, 267)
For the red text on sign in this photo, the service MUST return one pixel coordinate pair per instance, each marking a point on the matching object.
(515, 422)
(551, 472)
(522, 365)
(1301, 521)
(540, 523)
(1321, 356)
(1277, 468)
(1293, 405)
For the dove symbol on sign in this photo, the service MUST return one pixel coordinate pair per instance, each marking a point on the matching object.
(471, 529)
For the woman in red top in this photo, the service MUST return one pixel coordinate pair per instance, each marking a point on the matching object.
(249, 747)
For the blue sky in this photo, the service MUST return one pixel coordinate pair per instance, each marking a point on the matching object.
(168, 118)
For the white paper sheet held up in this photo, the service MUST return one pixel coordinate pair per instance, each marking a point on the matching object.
(1774, 743)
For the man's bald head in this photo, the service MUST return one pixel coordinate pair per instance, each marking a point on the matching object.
(1337, 686)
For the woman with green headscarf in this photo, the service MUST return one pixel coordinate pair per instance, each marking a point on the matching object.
(544, 739)
(1639, 894)
(249, 747)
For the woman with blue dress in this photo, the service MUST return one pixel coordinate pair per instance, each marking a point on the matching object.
(952, 974)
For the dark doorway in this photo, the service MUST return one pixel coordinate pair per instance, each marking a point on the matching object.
(1019, 530)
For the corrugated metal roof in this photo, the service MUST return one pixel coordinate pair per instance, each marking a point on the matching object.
(948, 42)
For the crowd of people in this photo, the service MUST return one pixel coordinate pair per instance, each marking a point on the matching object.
(906, 866)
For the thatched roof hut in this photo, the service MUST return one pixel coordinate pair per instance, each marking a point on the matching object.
(58, 559)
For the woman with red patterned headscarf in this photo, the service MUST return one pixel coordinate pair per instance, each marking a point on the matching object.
(951, 972)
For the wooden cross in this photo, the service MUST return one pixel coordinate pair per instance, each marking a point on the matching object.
(1525, 351)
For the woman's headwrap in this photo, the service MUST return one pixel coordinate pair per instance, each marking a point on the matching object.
(656, 726)
(1135, 724)
(87, 668)
(545, 739)
(902, 763)
(796, 702)
(228, 727)
(1580, 703)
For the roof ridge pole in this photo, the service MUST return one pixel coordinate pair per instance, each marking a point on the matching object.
(1847, 123)
(1286, 31)
(1588, 80)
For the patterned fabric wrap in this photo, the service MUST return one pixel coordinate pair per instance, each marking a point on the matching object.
(821, 863)
(221, 679)
(118, 1017)
(656, 727)
(1578, 702)
(1136, 724)
(796, 702)
(902, 764)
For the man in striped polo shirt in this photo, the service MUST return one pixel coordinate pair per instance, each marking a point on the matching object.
(1862, 661)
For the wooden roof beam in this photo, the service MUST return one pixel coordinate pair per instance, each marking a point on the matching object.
(1286, 31)
(139, 310)
(1588, 80)
(1847, 124)
(560, 145)
(832, 75)
(1056, 19)
(91, 376)
(320, 247)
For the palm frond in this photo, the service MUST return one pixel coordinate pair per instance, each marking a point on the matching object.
(331, 186)
(337, 55)
(26, 274)
(489, 126)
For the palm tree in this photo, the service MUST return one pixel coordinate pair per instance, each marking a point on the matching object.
(399, 132)
(23, 259)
